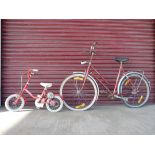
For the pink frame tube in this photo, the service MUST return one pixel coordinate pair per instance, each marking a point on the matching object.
(27, 91)
(117, 79)
(91, 70)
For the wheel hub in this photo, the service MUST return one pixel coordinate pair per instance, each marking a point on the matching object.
(78, 92)
(134, 92)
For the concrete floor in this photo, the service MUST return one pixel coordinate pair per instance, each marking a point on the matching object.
(107, 119)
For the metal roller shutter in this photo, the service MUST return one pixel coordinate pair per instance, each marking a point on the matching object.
(56, 48)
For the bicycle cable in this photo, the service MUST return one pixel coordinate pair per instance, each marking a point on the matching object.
(21, 82)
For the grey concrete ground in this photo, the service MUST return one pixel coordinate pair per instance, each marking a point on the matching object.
(107, 119)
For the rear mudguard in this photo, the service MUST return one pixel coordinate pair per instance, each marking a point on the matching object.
(129, 73)
(92, 79)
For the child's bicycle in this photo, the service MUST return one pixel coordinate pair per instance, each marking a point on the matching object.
(16, 102)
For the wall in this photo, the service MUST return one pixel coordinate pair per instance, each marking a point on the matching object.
(56, 48)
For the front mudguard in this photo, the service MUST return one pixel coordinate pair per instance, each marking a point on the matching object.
(82, 73)
(129, 73)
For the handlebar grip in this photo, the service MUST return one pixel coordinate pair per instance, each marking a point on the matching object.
(92, 48)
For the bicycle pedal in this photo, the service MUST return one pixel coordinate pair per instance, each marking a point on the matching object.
(103, 92)
(111, 97)
(40, 105)
(39, 96)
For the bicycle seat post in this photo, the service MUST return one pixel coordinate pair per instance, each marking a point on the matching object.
(118, 76)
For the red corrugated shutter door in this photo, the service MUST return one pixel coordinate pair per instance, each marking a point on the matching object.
(56, 48)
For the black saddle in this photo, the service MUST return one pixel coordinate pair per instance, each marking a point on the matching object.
(121, 59)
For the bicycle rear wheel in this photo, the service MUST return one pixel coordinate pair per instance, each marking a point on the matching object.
(55, 104)
(75, 96)
(135, 90)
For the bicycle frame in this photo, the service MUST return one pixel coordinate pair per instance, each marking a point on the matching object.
(81, 89)
(25, 89)
(91, 70)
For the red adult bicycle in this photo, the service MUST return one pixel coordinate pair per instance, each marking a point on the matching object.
(16, 102)
(80, 90)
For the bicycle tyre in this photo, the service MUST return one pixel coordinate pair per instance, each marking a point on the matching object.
(58, 107)
(145, 84)
(12, 108)
(66, 102)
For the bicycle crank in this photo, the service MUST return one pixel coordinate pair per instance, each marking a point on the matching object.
(122, 98)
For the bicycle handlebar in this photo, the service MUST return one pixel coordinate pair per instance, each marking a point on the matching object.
(92, 48)
(31, 72)
(28, 73)
(91, 51)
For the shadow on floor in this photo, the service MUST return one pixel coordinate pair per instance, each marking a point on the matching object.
(108, 119)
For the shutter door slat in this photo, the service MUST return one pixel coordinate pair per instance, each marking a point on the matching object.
(56, 48)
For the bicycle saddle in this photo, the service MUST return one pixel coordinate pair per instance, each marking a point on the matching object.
(46, 85)
(121, 59)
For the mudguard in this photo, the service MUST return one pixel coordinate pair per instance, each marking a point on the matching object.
(92, 79)
(129, 73)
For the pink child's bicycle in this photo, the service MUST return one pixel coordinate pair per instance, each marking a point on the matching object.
(16, 102)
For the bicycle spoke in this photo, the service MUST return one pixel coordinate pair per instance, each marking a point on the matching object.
(77, 96)
(139, 84)
(136, 92)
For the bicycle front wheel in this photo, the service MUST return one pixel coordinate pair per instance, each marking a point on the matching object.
(76, 96)
(135, 90)
(10, 103)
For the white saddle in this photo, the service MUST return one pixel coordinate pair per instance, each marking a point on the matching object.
(46, 85)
